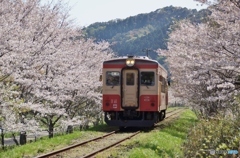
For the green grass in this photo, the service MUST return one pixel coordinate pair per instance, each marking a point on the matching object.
(165, 142)
(41, 146)
(47, 145)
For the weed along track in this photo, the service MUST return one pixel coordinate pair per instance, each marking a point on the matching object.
(94, 146)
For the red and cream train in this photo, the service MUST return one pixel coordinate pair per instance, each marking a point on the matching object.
(135, 92)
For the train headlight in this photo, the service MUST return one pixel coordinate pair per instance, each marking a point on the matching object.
(130, 62)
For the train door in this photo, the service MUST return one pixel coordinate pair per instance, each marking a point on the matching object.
(130, 88)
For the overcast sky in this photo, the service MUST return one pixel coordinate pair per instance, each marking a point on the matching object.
(86, 12)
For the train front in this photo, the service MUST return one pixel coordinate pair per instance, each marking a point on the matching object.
(132, 92)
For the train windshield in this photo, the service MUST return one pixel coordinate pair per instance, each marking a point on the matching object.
(112, 78)
(130, 79)
(147, 78)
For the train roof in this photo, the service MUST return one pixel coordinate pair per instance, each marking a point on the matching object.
(134, 57)
(145, 58)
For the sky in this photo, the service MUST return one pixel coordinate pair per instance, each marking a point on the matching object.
(86, 12)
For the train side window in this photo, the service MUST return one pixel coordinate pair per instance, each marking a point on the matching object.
(112, 78)
(160, 78)
(147, 78)
(164, 84)
(130, 79)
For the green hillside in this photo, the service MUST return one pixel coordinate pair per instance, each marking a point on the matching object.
(133, 34)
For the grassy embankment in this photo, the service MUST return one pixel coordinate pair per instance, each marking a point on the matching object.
(160, 142)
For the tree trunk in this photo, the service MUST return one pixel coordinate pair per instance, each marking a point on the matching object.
(14, 139)
(50, 129)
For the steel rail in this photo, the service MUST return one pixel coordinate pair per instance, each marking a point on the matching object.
(179, 109)
(175, 112)
(110, 146)
(74, 146)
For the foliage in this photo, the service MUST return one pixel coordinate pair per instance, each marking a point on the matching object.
(53, 67)
(216, 134)
(204, 64)
(204, 59)
(131, 35)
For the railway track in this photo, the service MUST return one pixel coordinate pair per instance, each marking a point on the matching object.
(173, 112)
(75, 145)
(92, 146)
(96, 145)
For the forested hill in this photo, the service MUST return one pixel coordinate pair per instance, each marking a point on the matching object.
(135, 33)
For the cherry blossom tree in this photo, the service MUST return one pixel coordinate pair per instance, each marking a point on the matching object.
(204, 58)
(55, 68)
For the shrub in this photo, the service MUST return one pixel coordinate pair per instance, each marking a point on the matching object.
(217, 134)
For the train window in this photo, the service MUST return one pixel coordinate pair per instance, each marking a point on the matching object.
(112, 78)
(147, 78)
(163, 83)
(160, 78)
(130, 79)
(163, 88)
